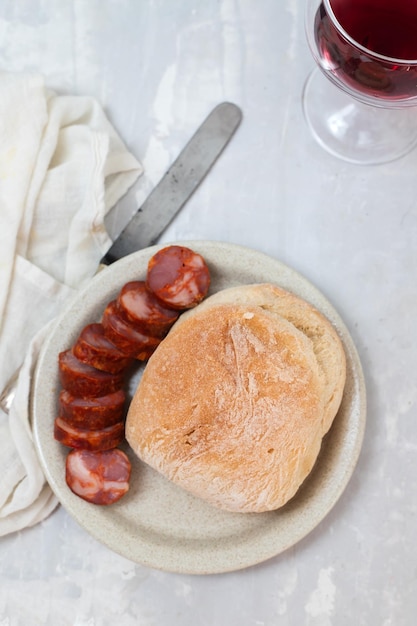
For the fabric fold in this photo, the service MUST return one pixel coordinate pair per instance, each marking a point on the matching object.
(62, 169)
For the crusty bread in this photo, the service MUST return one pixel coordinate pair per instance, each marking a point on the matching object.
(235, 401)
(325, 340)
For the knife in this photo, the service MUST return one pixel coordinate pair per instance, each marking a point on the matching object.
(168, 197)
(178, 183)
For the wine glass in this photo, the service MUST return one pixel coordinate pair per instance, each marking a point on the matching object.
(360, 103)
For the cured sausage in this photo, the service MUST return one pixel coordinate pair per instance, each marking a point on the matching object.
(92, 401)
(92, 413)
(125, 336)
(102, 439)
(141, 307)
(83, 380)
(94, 348)
(98, 477)
(178, 276)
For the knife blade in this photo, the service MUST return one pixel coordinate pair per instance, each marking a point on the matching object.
(178, 183)
(168, 197)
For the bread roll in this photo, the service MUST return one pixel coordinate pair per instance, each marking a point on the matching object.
(234, 403)
(324, 338)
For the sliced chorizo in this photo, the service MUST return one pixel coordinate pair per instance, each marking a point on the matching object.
(94, 348)
(92, 413)
(140, 306)
(125, 336)
(178, 276)
(84, 380)
(98, 477)
(86, 439)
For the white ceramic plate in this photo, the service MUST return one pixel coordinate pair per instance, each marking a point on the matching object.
(156, 523)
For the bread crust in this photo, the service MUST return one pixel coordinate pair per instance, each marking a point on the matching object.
(231, 405)
(325, 340)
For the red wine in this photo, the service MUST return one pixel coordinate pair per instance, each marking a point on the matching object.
(384, 27)
(388, 27)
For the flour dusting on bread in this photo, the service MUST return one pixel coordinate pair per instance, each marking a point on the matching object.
(234, 403)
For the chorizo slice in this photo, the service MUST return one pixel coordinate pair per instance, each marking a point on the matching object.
(125, 336)
(86, 439)
(98, 477)
(84, 380)
(92, 413)
(141, 307)
(178, 276)
(94, 348)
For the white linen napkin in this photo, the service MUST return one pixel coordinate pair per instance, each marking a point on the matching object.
(62, 168)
